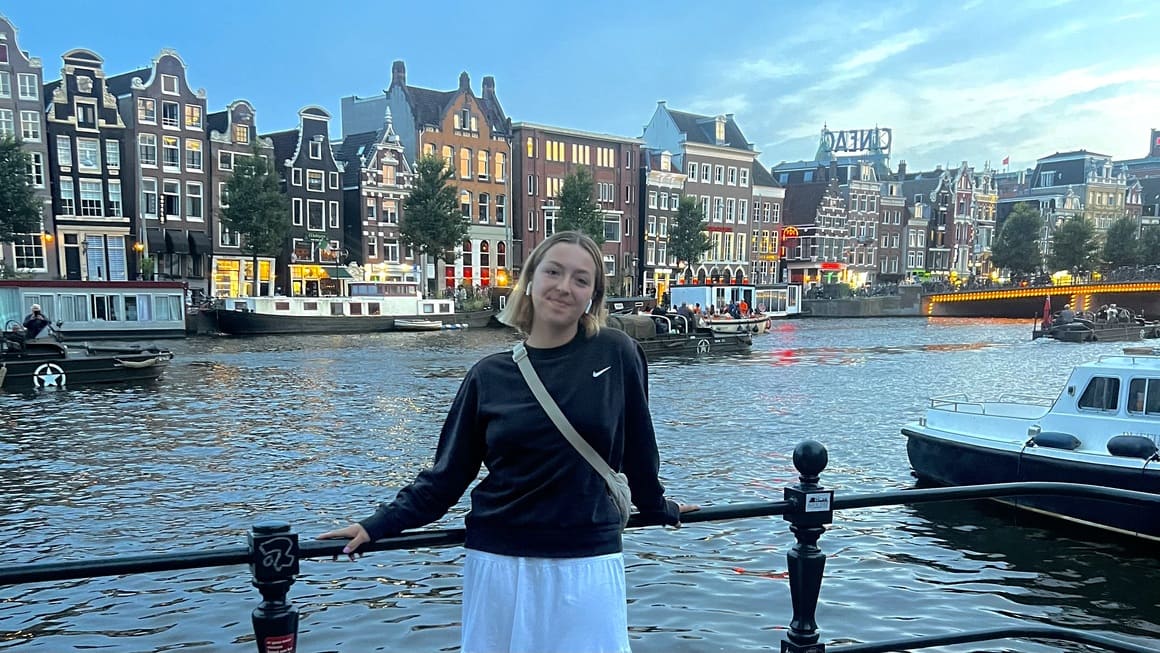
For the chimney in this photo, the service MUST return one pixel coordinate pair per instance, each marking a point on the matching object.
(660, 103)
(464, 81)
(902, 169)
(399, 73)
(489, 85)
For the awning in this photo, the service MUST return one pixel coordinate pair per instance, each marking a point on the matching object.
(199, 243)
(155, 238)
(337, 273)
(176, 241)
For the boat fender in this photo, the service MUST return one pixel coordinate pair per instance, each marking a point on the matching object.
(769, 324)
(1056, 440)
(139, 364)
(1132, 446)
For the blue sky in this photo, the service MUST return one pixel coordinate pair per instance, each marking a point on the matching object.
(972, 80)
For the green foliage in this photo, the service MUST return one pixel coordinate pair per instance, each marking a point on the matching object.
(432, 222)
(19, 208)
(578, 208)
(1017, 246)
(1150, 246)
(1121, 246)
(1074, 247)
(688, 237)
(257, 209)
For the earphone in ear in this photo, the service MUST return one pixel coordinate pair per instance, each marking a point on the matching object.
(589, 308)
(528, 290)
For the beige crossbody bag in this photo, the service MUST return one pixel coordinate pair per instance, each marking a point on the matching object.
(617, 482)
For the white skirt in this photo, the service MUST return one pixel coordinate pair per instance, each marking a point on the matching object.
(544, 605)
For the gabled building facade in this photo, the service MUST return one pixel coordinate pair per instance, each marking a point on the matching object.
(167, 185)
(91, 219)
(376, 182)
(815, 237)
(22, 117)
(765, 239)
(662, 185)
(232, 134)
(473, 136)
(547, 155)
(314, 262)
(718, 162)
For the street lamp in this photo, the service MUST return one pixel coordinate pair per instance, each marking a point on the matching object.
(139, 247)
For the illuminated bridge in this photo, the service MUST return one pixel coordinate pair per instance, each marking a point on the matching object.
(1140, 296)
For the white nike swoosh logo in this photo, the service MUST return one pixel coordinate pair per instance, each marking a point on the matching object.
(598, 373)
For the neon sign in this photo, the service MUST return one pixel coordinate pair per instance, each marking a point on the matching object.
(858, 140)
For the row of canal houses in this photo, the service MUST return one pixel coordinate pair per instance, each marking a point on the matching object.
(132, 171)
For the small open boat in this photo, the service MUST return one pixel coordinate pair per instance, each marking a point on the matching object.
(29, 365)
(408, 324)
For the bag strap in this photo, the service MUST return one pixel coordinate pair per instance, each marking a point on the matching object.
(520, 355)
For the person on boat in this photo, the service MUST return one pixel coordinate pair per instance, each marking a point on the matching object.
(1066, 315)
(544, 568)
(35, 323)
(743, 308)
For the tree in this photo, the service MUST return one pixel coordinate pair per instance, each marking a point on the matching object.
(578, 209)
(432, 222)
(1017, 246)
(1121, 246)
(1150, 246)
(257, 210)
(19, 208)
(1074, 247)
(688, 239)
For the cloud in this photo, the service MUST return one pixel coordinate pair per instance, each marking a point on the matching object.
(756, 70)
(883, 50)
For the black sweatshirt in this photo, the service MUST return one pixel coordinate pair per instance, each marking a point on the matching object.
(540, 497)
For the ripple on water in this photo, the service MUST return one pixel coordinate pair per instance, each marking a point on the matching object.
(317, 430)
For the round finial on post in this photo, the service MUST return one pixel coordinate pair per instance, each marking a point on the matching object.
(810, 458)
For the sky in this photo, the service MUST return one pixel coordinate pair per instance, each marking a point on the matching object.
(973, 80)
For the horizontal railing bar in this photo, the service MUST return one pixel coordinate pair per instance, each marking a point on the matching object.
(993, 491)
(1015, 632)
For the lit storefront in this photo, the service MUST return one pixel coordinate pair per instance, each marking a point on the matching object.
(314, 280)
(234, 277)
(481, 263)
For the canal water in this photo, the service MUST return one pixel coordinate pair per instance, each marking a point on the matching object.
(317, 430)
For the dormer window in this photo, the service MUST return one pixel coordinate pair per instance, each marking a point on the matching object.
(464, 118)
(241, 134)
(3, 53)
(720, 133)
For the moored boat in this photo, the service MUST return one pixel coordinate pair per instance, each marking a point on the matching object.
(100, 310)
(1102, 429)
(1110, 324)
(31, 365)
(675, 340)
(404, 324)
(761, 305)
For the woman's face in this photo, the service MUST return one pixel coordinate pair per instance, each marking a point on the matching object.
(564, 282)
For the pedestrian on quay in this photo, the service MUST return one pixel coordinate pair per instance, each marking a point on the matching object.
(544, 569)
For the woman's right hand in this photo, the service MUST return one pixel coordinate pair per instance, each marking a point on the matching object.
(355, 533)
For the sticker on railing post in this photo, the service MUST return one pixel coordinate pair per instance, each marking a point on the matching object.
(818, 501)
(279, 644)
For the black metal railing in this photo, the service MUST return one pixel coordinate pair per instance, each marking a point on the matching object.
(273, 553)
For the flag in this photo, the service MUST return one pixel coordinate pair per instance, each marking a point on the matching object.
(1047, 312)
(1007, 159)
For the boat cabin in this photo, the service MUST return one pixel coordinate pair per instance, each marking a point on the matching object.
(780, 300)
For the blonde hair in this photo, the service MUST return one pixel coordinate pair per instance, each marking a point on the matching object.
(519, 312)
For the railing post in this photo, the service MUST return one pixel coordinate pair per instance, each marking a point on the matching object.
(274, 564)
(813, 509)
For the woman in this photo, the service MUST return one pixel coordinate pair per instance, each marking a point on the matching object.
(544, 569)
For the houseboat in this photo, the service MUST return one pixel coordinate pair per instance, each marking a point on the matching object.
(371, 306)
(100, 310)
(1102, 429)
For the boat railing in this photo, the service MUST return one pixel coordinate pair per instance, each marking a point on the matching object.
(274, 553)
(1022, 398)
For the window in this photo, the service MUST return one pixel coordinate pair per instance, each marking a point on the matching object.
(64, 151)
(391, 211)
(692, 171)
(7, 126)
(1144, 396)
(241, 134)
(194, 206)
(193, 116)
(706, 173)
(113, 153)
(334, 215)
(68, 197)
(296, 176)
(172, 198)
(484, 207)
(719, 175)
(549, 222)
(1102, 393)
(192, 154)
(149, 197)
(147, 110)
(170, 114)
(391, 251)
(664, 203)
(36, 169)
(170, 152)
(465, 203)
(29, 252)
(92, 200)
(223, 195)
(147, 149)
(465, 163)
(29, 89)
(334, 181)
(500, 255)
(228, 237)
(718, 209)
(116, 206)
(314, 181)
(744, 177)
(169, 84)
(650, 255)
(652, 225)
(501, 209)
(225, 160)
(531, 147)
(609, 265)
(732, 176)
(297, 212)
(5, 84)
(30, 125)
(776, 215)
(652, 199)
(481, 164)
(664, 227)
(3, 53)
(743, 211)
(315, 149)
(730, 210)
(315, 218)
(449, 157)
(500, 164)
